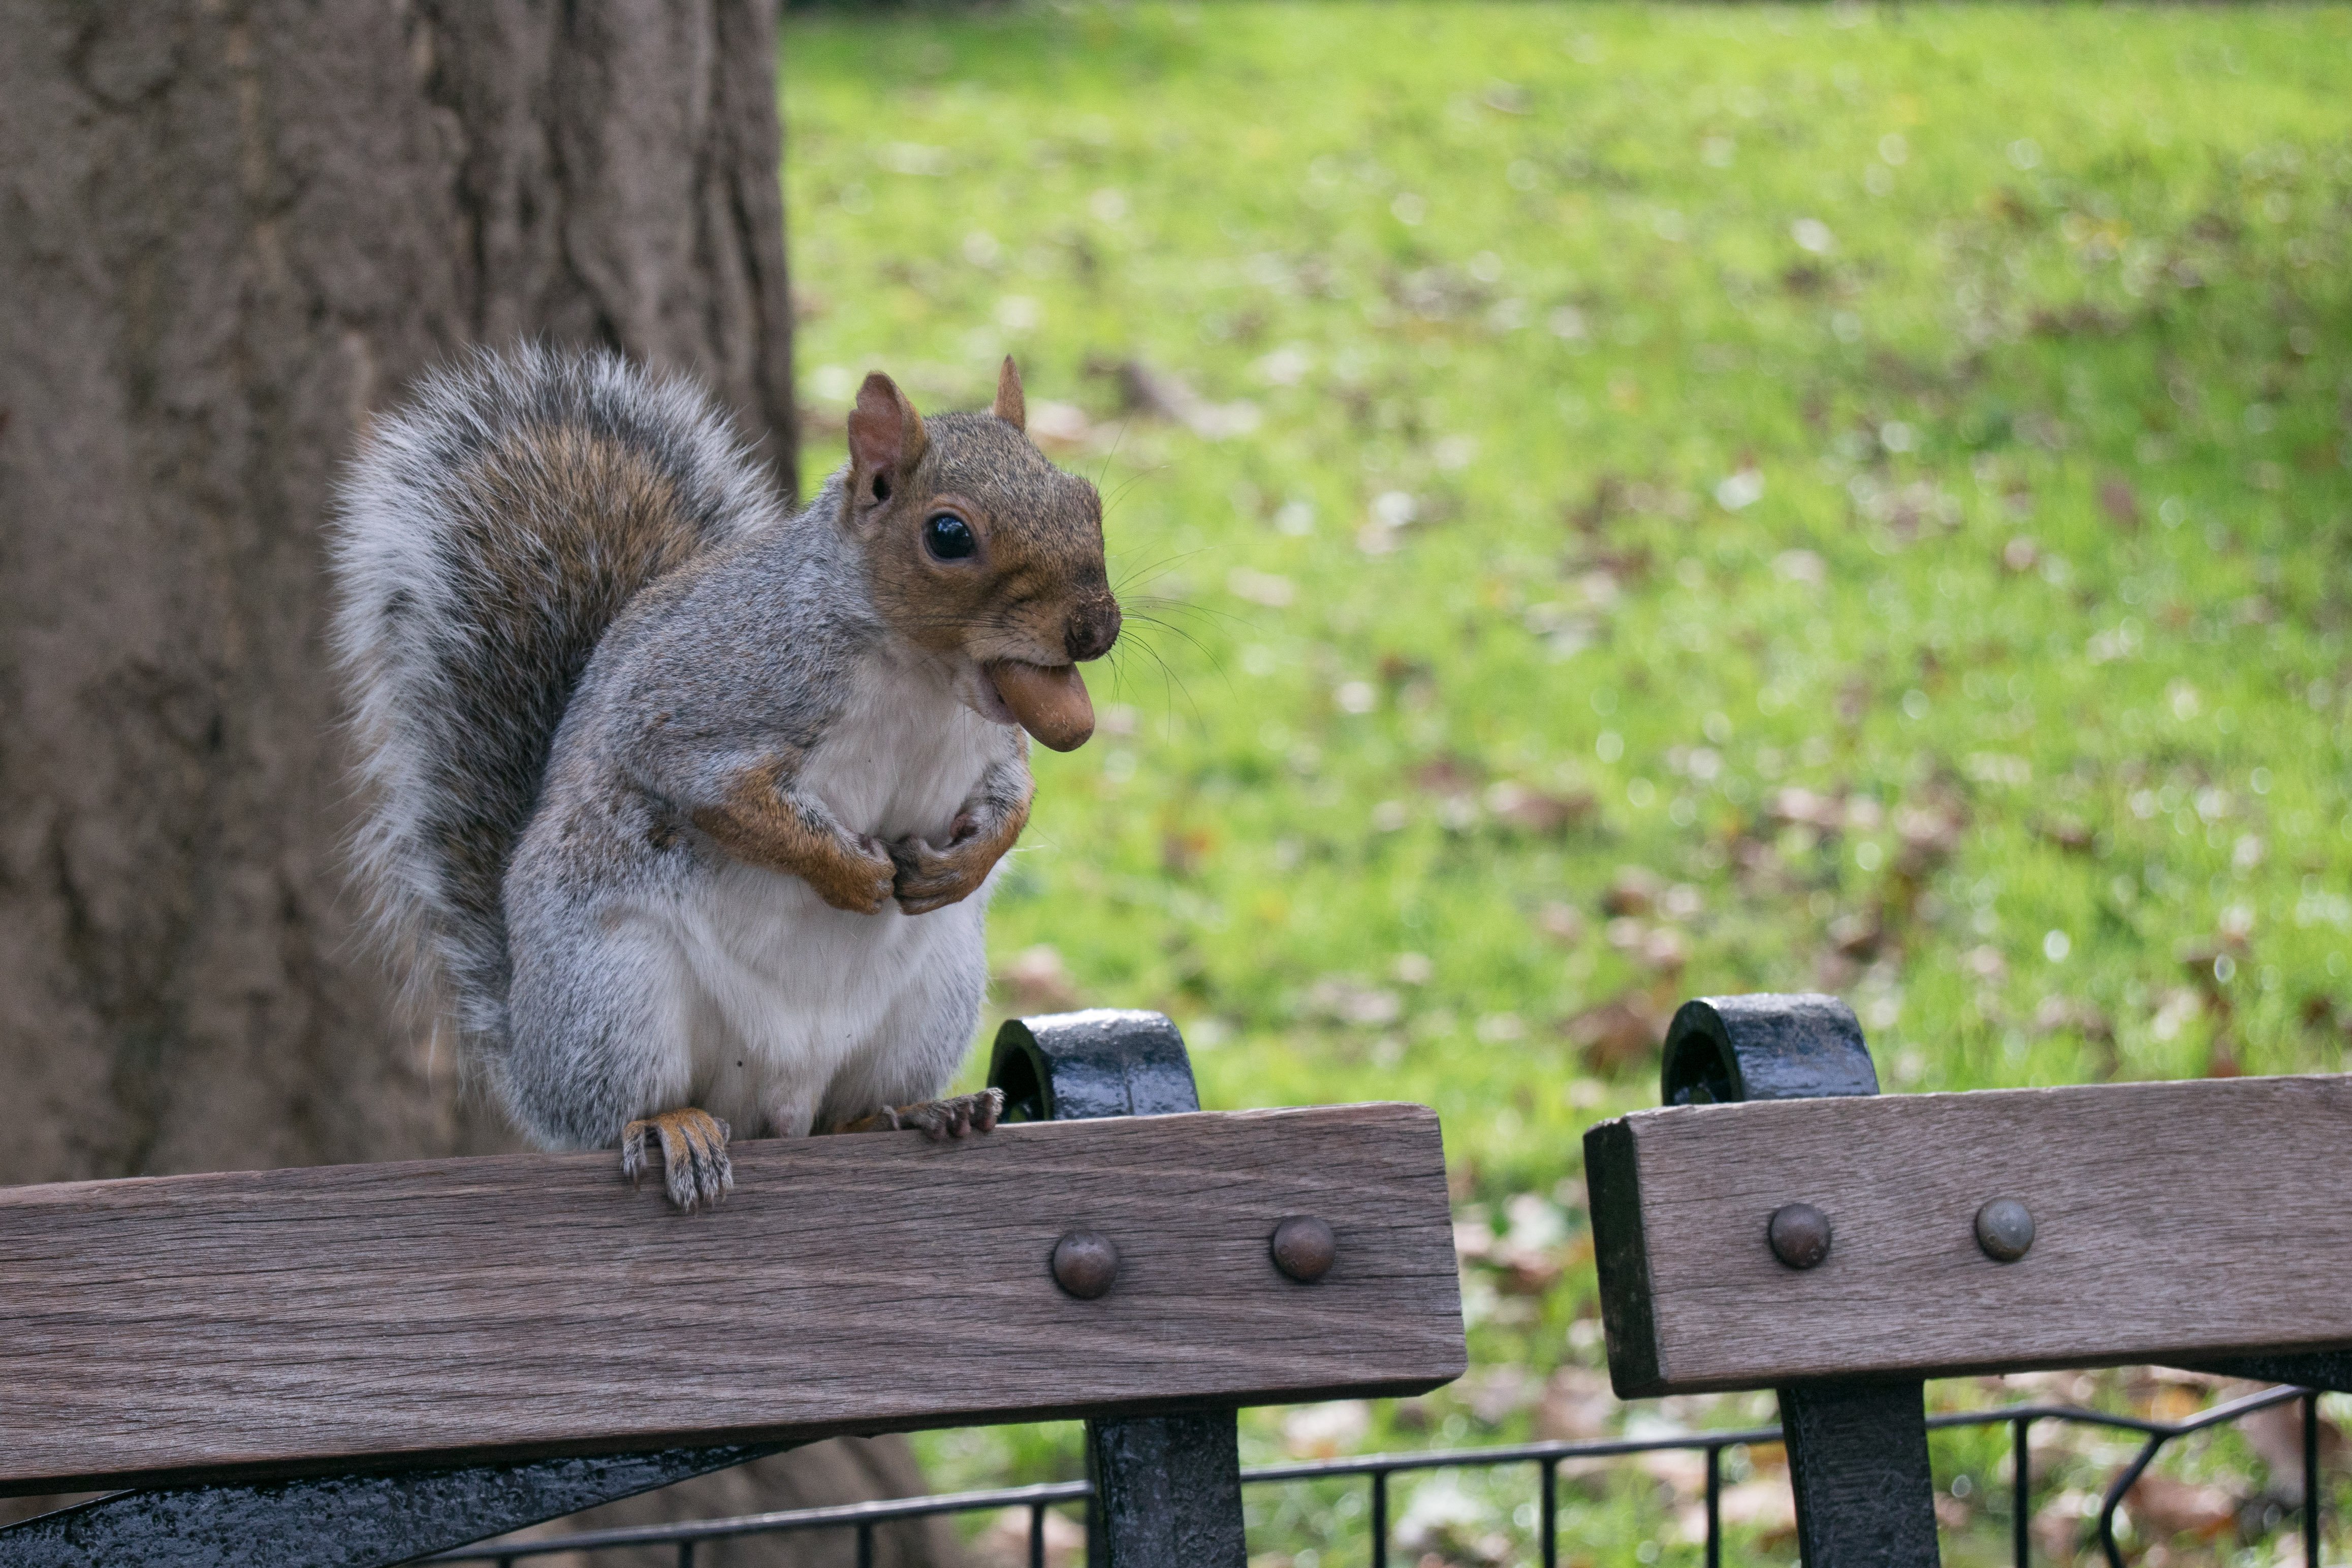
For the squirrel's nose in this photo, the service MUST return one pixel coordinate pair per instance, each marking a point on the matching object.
(1093, 628)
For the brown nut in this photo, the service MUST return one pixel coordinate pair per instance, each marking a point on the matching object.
(1085, 1263)
(1051, 704)
(1303, 1247)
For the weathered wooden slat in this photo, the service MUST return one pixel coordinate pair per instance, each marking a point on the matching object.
(287, 1322)
(2173, 1222)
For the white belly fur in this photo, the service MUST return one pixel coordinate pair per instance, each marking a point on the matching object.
(794, 989)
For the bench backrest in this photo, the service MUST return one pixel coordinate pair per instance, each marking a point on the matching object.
(2195, 1223)
(454, 1348)
(2171, 1222)
(260, 1323)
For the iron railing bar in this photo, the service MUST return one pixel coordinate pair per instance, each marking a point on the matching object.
(2020, 1490)
(2116, 1490)
(1715, 1505)
(1037, 1535)
(1548, 1456)
(2311, 1478)
(2079, 1414)
(2245, 1405)
(866, 1543)
(1549, 1511)
(1513, 1454)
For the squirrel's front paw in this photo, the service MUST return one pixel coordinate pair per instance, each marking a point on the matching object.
(863, 879)
(956, 1116)
(695, 1167)
(932, 879)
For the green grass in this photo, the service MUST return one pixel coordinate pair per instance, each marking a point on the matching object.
(1883, 475)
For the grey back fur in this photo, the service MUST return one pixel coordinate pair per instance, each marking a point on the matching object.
(486, 536)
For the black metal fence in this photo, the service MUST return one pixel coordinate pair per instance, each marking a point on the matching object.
(1547, 1457)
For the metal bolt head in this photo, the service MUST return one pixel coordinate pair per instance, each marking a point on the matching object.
(1303, 1247)
(2004, 1230)
(1085, 1263)
(1800, 1234)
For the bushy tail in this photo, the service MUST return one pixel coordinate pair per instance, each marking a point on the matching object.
(487, 535)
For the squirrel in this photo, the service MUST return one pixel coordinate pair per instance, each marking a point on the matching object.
(693, 804)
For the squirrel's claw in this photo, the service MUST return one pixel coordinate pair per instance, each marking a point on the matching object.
(956, 1116)
(695, 1167)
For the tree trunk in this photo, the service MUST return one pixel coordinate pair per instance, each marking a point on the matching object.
(229, 229)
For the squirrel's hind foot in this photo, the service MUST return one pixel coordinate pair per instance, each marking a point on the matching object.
(957, 1116)
(695, 1167)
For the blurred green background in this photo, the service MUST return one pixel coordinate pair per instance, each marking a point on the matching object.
(1617, 504)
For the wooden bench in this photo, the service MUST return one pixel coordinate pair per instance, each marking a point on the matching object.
(357, 1365)
(1778, 1226)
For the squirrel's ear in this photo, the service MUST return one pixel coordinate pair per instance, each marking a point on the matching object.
(1009, 407)
(886, 439)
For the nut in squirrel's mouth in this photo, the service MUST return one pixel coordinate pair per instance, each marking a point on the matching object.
(1048, 701)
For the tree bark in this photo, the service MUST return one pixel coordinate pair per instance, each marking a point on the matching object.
(228, 230)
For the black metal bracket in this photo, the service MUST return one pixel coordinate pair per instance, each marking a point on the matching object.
(1072, 1067)
(1722, 1050)
(1857, 1449)
(1168, 1488)
(1858, 1464)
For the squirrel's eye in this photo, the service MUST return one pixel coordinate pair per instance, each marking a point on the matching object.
(949, 538)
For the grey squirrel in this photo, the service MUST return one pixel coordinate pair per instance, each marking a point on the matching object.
(694, 804)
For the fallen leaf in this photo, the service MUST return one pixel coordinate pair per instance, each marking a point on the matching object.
(1660, 949)
(1986, 964)
(2069, 834)
(1618, 1033)
(1663, 951)
(2275, 1434)
(1799, 807)
(2119, 501)
(1930, 835)
(1059, 426)
(1326, 1430)
(1636, 890)
(1496, 1394)
(1447, 773)
(1182, 849)
(2063, 1524)
(1561, 923)
(2058, 1014)
(1857, 934)
(1683, 1470)
(1163, 395)
(1766, 1505)
(1035, 980)
(1260, 588)
(1576, 1403)
(2163, 1506)
(1538, 812)
(1343, 999)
